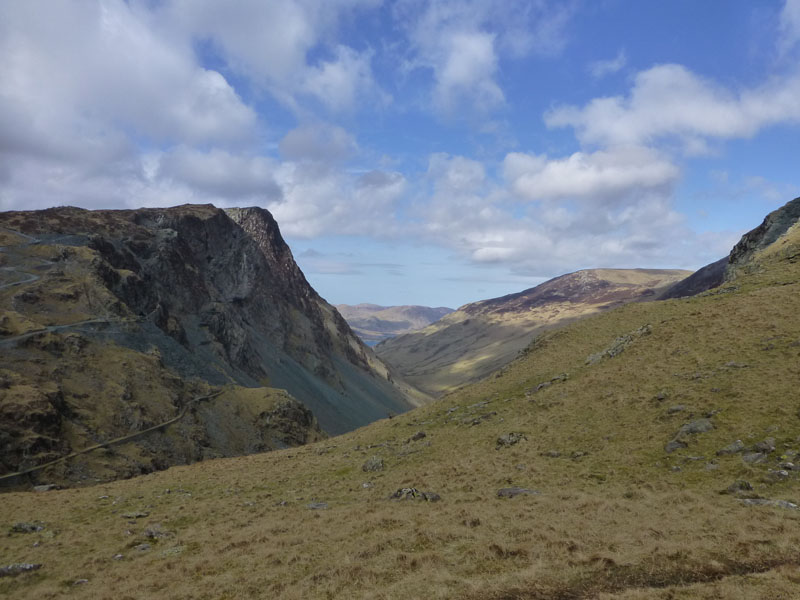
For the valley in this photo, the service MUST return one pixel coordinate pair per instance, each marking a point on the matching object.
(646, 451)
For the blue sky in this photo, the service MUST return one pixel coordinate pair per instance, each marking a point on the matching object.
(417, 151)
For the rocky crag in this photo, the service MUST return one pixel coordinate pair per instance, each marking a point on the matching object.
(481, 337)
(775, 225)
(114, 321)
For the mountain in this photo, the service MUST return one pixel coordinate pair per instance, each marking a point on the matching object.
(115, 321)
(647, 451)
(481, 337)
(373, 323)
(775, 224)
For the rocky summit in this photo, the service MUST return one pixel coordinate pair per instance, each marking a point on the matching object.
(118, 322)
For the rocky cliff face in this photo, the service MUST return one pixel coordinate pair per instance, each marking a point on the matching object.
(775, 224)
(481, 337)
(210, 297)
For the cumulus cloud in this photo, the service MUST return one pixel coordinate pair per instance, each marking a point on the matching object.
(602, 68)
(272, 44)
(670, 102)
(319, 199)
(612, 174)
(461, 43)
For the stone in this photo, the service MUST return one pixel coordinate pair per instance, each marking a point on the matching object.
(136, 514)
(318, 506)
(511, 492)
(768, 502)
(155, 532)
(552, 454)
(418, 436)
(45, 487)
(142, 547)
(754, 458)
(788, 466)
(738, 487)
(509, 439)
(17, 568)
(118, 557)
(695, 427)
(711, 466)
(374, 463)
(676, 409)
(766, 446)
(367, 484)
(80, 581)
(732, 448)
(23, 527)
(673, 445)
(415, 494)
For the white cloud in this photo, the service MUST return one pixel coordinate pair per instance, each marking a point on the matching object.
(789, 25)
(318, 142)
(461, 43)
(611, 174)
(271, 43)
(318, 199)
(602, 68)
(670, 102)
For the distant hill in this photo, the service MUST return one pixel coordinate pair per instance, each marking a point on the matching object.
(481, 337)
(373, 323)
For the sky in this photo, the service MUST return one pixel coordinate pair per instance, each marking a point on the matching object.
(432, 152)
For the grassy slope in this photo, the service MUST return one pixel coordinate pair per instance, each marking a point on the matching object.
(468, 344)
(624, 520)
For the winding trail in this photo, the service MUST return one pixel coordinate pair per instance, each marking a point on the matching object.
(118, 440)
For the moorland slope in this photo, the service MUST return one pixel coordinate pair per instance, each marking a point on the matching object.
(649, 451)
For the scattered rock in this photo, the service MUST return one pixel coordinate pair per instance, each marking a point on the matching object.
(511, 492)
(318, 506)
(789, 466)
(551, 454)
(374, 463)
(118, 557)
(768, 502)
(619, 344)
(23, 527)
(367, 484)
(142, 547)
(80, 581)
(735, 365)
(732, 448)
(45, 487)
(137, 514)
(480, 419)
(155, 532)
(418, 436)
(673, 445)
(676, 469)
(174, 551)
(754, 458)
(415, 494)
(661, 396)
(578, 454)
(766, 446)
(712, 466)
(695, 427)
(738, 487)
(676, 409)
(509, 439)
(17, 568)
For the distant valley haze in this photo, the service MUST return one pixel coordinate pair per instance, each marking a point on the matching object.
(417, 152)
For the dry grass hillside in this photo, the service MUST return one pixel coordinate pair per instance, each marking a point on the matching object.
(577, 430)
(481, 337)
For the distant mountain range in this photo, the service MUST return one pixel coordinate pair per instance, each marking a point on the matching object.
(373, 323)
(481, 337)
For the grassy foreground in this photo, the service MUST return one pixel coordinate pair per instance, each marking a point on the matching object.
(614, 516)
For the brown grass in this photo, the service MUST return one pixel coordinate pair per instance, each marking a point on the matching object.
(616, 517)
